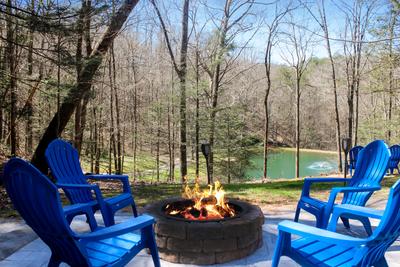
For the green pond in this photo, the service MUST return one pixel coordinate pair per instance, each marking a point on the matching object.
(281, 164)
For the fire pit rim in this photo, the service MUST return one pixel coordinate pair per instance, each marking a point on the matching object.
(207, 242)
(155, 210)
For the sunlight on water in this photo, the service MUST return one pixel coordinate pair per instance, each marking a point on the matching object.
(321, 165)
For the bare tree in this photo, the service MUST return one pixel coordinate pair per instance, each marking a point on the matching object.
(297, 56)
(181, 73)
(322, 22)
(394, 12)
(234, 13)
(357, 20)
(272, 31)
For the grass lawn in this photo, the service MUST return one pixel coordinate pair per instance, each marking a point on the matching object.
(267, 195)
(270, 196)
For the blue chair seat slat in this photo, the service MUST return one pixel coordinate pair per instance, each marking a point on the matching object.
(38, 202)
(108, 249)
(64, 164)
(341, 259)
(315, 248)
(118, 242)
(332, 252)
(130, 237)
(97, 263)
(100, 255)
(302, 242)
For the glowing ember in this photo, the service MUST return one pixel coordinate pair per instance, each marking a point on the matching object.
(208, 204)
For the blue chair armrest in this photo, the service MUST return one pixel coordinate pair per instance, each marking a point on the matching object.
(94, 187)
(336, 190)
(117, 229)
(342, 209)
(77, 186)
(75, 208)
(309, 181)
(123, 178)
(352, 212)
(320, 234)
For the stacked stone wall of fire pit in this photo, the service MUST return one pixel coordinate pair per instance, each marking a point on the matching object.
(208, 242)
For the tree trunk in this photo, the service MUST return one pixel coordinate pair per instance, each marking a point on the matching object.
(298, 78)
(324, 26)
(182, 80)
(181, 72)
(267, 64)
(135, 119)
(112, 147)
(10, 51)
(393, 20)
(171, 132)
(118, 169)
(216, 83)
(76, 94)
(197, 126)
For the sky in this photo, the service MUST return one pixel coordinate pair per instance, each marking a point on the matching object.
(208, 13)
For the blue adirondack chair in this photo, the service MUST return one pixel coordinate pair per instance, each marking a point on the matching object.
(394, 159)
(37, 200)
(64, 164)
(353, 156)
(370, 169)
(319, 247)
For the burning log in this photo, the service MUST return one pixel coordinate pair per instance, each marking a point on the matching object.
(195, 212)
(211, 200)
(201, 205)
(204, 212)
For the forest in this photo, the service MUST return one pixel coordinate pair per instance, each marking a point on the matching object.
(138, 86)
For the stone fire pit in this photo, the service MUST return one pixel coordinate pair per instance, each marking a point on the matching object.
(207, 242)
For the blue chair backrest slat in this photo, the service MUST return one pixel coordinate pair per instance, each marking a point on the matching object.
(370, 169)
(37, 200)
(63, 161)
(388, 230)
(395, 158)
(353, 154)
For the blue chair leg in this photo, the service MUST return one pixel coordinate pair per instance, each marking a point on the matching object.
(346, 222)
(297, 215)
(367, 225)
(91, 220)
(54, 262)
(111, 216)
(283, 239)
(320, 223)
(69, 218)
(382, 263)
(151, 244)
(135, 214)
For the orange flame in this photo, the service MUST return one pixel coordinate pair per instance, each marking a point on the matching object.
(208, 203)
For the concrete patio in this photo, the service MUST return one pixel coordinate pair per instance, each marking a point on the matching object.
(36, 253)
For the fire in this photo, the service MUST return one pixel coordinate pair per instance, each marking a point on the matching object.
(207, 204)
